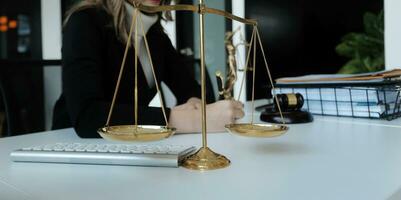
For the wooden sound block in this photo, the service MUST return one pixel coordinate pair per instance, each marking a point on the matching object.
(293, 117)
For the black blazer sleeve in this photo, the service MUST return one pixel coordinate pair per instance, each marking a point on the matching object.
(178, 75)
(82, 77)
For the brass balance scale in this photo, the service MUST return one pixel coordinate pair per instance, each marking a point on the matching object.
(204, 158)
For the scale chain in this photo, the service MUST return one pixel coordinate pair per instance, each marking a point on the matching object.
(121, 70)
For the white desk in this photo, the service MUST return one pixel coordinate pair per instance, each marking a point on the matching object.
(332, 158)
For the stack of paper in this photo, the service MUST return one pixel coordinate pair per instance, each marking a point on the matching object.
(373, 77)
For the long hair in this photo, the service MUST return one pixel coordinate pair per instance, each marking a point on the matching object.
(116, 9)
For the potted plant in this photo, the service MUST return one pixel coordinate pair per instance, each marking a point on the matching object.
(365, 50)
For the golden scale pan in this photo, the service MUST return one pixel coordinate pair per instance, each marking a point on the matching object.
(204, 158)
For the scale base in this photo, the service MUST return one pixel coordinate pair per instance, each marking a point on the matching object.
(205, 159)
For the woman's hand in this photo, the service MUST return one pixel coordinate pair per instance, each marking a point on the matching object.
(194, 100)
(187, 117)
(222, 113)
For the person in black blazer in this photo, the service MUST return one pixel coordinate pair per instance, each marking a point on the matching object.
(92, 52)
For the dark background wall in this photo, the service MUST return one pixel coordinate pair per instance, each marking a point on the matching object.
(14, 9)
(22, 82)
(300, 36)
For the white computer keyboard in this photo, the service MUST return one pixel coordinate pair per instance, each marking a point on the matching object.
(104, 154)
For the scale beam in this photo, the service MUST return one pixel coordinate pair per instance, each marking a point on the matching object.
(192, 8)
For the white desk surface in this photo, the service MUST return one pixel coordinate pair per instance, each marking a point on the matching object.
(331, 158)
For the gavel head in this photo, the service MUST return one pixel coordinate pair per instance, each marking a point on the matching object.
(289, 102)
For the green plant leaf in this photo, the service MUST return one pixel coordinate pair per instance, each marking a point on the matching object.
(346, 50)
(354, 66)
(377, 63)
(348, 69)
